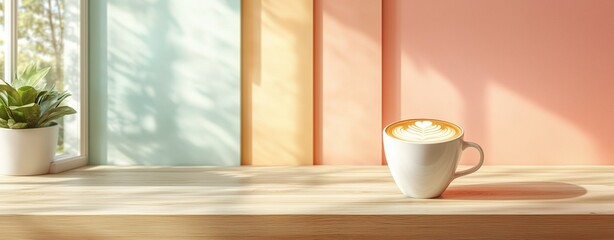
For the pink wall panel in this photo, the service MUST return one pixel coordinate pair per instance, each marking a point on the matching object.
(532, 81)
(348, 82)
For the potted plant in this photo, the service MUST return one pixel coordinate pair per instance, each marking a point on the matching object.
(28, 133)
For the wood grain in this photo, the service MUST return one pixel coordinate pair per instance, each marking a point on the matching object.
(307, 227)
(565, 202)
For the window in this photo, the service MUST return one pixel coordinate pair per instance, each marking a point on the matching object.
(52, 33)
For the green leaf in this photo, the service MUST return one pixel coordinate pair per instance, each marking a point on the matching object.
(51, 99)
(12, 96)
(19, 125)
(28, 94)
(6, 111)
(54, 114)
(61, 98)
(28, 113)
(3, 123)
(16, 125)
(3, 114)
(41, 95)
(22, 106)
(34, 79)
(30, 76)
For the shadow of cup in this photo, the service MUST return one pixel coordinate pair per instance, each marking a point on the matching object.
(514, 191)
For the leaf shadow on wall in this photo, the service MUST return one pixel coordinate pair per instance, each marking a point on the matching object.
(173, 99)
(532, 81)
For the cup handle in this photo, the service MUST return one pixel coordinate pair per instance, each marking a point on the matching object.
(474, 168)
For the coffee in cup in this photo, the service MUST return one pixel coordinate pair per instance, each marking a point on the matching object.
(423, 130)
(423, 154)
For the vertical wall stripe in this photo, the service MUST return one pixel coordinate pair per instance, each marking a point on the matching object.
(97, 92)
(349, 82)
(250, 71)
(168, 74)
(277, 82)
(391, 64)
(317, 83)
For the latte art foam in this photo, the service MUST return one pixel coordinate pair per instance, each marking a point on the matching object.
(423, 131)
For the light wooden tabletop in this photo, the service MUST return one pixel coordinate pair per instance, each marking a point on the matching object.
(337, 190)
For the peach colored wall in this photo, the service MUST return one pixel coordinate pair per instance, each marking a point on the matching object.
(277, 82)
(348, 81)
(391, 64)
(530, 80)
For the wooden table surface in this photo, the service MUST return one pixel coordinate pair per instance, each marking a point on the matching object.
(356, 197)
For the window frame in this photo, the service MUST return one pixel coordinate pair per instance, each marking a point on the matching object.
(10, 64)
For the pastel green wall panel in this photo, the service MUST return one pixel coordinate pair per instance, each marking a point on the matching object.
(164, 82)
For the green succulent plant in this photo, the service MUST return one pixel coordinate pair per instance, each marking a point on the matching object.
(28, 103)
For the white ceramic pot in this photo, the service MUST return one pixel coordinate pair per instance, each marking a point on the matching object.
(27, 151)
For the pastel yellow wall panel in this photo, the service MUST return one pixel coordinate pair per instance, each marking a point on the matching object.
(277, 82)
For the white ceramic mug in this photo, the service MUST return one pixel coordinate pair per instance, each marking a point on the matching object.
(425, 169)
